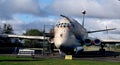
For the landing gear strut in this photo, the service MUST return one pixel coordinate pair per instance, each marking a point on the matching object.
(102, 50)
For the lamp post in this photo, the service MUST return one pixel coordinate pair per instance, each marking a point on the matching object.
(43, 39)
(83, 12)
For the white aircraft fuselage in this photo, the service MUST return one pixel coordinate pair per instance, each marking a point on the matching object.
(69, 35)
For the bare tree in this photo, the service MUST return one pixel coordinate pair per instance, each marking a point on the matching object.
(7, 29)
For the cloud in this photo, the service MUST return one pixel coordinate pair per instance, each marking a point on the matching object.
(99, 14)
(92, 24)
(10, 7)
(20, 27)
(94, 8)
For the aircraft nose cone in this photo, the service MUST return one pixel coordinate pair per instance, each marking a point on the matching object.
(59, 43)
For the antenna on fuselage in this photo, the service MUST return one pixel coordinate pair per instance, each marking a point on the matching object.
(83, 12)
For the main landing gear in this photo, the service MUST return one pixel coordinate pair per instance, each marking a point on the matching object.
(102, 50)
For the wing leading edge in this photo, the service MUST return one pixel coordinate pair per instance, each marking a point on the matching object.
(110, 41)
(101, 30)
(24, 37)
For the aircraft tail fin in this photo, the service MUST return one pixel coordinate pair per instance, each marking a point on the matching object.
(101, 30)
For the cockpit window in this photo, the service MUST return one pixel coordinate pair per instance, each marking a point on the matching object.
(62, 25)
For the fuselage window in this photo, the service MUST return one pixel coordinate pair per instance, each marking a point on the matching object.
(68, 25)
(60, 25)
(64, 25)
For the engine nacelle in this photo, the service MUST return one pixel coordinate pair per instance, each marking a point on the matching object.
(91, 41)
(97, 42)
(87, 42)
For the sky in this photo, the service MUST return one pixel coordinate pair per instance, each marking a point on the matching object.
(33, 14)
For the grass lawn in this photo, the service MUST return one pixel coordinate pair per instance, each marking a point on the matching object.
(12, 60)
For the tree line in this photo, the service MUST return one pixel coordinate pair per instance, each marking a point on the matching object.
(8, 29)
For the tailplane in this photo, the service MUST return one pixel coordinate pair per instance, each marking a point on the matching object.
(100, 30)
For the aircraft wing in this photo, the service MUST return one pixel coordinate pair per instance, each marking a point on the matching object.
(110, 41)
(23, 36)
(101, 30)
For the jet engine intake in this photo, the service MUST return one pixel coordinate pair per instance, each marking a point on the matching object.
(97, 42)
(87, 42)
(90, 42)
